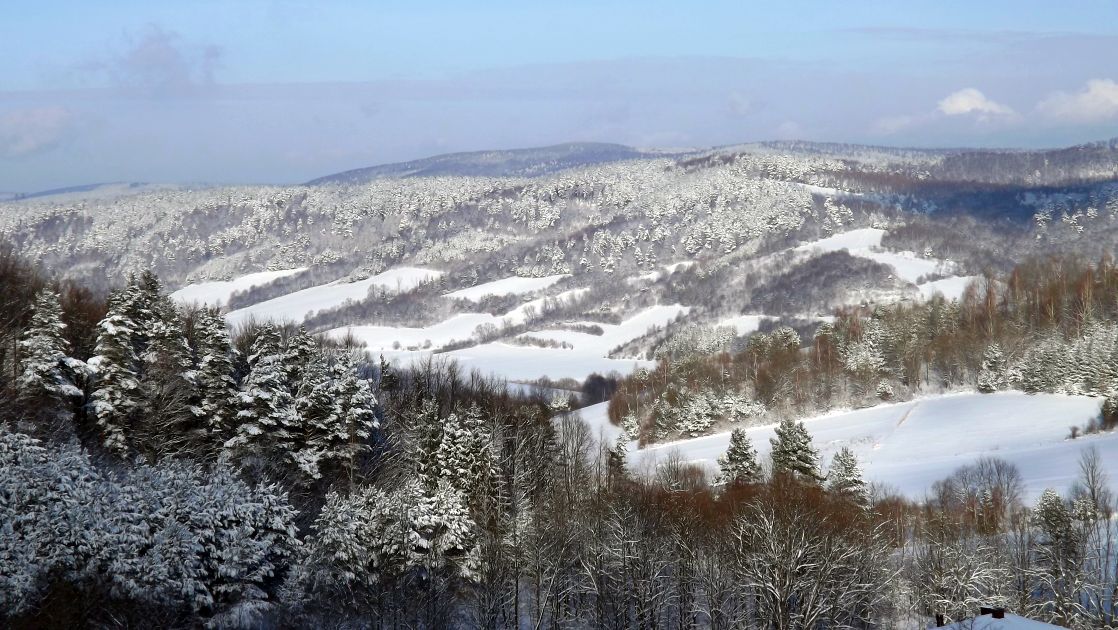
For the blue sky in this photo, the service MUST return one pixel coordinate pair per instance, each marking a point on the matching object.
(208, 91)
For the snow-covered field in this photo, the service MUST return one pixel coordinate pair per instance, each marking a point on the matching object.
(297, 306)
(515, 362)
(514, 285)
(866, 243)
(217, 292)
(911, 445)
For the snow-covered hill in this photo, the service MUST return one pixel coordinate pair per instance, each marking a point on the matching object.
(913, 444)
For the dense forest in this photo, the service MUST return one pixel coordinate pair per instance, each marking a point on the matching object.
(159, 470)
(1051, 325)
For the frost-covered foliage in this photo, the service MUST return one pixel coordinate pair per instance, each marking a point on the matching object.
(844, 478)
(46, 381)
(171, 538)
(792, 452)
(696, 340)
(694, 413)
(739, 463)
(372, 537)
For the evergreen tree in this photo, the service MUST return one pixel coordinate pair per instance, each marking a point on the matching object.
(116, 398)
(44, 384)
(267, 407)
(792, 452)
(166, 421)
(216, 392)
(845, 477)
(739, 463)
(992, 376)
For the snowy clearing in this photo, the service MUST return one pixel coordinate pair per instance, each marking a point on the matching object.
(911, 445)
(952, 288)
(866, 243)
(217, 292)
(514, 285)
(745, 324)
(588, 354)
(297, 306)
(389, 340)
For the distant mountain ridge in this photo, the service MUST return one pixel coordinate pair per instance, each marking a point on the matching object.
(531, 162)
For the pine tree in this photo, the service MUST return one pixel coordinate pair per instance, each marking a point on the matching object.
(44, 384)
(116, 398)
(992, 376)
(216, 392)
(617, 464)
(166, 421)
(845, 477)
(792, 452)
(739, 463)
(267, 407)
(355, 414)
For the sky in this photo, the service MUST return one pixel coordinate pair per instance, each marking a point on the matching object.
(255, 91)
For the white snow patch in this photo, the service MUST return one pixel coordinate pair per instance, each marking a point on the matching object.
(745, 324)
(866, 243)
(911, 445)
(952, 288)
(514, 285)
(218, 292)
(297, 306)
(668, 270)
(587, 356)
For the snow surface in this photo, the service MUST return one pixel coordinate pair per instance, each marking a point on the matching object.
(667, 270)
(1010, 622)
(866, 243)
(460, 327)
(218, 292)
(952, 288)
(514, 285)
(588, 354)
(911, 445)
(297, 306)
(745, 324)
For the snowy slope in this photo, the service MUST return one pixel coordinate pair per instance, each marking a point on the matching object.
(295, 307)
(866, 243)
(911, 445)
(514, 285)
(588, 354)
(218, 292)
(952, 288)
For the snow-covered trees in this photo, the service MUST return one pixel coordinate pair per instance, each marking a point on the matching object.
(793, 453)
(216, 395)
(739, 463)
(172, 540)
(367, 539)
(992, 377)
(267, 419)
(45, 385)
(144, 378)
(844, 477)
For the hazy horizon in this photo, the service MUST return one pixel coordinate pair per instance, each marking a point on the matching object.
(283, 92)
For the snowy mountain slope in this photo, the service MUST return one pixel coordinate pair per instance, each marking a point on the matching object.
(506, 286)
(737, 235)
(581, 354)
(911, 445)
(295, 307)
(217, 292)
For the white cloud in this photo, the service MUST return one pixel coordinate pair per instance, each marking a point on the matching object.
(971, 101)
(27, 131)
(1096, 102)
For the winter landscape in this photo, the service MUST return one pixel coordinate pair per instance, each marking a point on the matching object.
(706, 332)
